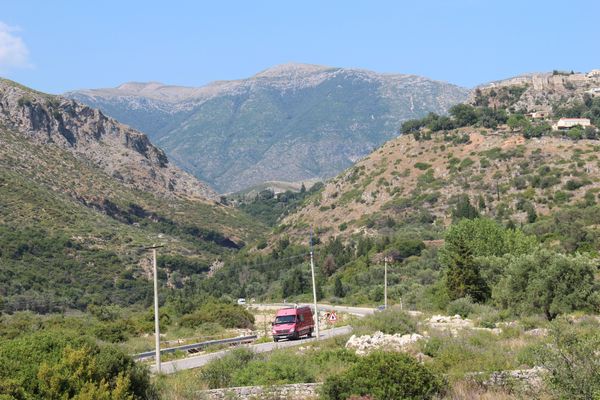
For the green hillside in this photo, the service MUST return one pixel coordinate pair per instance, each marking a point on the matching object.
(71, 234)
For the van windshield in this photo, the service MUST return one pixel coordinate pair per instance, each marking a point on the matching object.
(285, 319)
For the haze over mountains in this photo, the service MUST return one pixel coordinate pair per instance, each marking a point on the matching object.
(290, 123)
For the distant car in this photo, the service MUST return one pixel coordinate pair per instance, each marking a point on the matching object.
(241, 301)
(380, 308)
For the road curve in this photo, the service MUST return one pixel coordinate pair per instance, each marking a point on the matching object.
(170, 367)
(360, 311)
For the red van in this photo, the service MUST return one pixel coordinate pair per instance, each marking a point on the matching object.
(293, 322)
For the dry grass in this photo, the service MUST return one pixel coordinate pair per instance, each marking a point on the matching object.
(463, 390)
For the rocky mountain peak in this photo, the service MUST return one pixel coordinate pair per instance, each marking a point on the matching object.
(292, 122)
(293, 69)
(117, 149)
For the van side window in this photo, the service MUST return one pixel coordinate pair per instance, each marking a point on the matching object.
(301, 317)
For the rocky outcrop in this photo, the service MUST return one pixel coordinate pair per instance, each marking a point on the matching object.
(455, 323)
(298, 391)
(381, 341)
(118, 150)
(542, 90)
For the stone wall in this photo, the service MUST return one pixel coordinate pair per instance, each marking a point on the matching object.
(298, 391)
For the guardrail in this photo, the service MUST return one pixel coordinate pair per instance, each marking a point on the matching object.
(195, 346)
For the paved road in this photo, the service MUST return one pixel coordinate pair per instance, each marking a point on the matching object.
(170, 367)
(360, 311)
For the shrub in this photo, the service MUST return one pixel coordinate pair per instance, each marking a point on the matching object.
(227, 315)
(422, 166)
(389, 321)
(278, 369)
(384, 375)
(547, 282)
(572, 362)
(219, 373)
(59, 365)
(462, 306)
(574, 184)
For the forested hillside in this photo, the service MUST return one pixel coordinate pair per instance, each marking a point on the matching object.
(81, 196)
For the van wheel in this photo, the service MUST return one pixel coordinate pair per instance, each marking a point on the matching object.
(275, 339)
(296, 336)
(309, 334)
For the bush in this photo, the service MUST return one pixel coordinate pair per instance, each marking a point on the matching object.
(389, 321)
(462, 306)
(226, 315)
(55, 365)
(547, 282)
(278, 369)
(219, 373)
(572, 362)
(383, 376)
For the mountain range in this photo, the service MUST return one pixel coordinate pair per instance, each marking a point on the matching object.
(507, 172)
(289, 123)
(81, 195)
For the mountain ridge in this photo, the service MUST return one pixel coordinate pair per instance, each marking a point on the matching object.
(82, 195)
(236, 134)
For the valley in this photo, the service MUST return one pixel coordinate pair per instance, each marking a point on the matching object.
(480, 217)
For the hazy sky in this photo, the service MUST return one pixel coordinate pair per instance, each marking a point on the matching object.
(56, 46)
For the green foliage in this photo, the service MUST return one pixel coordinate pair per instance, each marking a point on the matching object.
(270, 208)
(220, 373)
(338, 288)
(241, 367)
(53, 365)
(537, 131)
(422, 166)
(461, 115)
(547, 282)
(73, 240)
(384, 376)
(295, 283)
(464, 114)
(276, 370)
(462, 306)
(462, 273)
(469, 239)
(485, 237)
(225, 314)
(518, 122)
(184, 265)
(464, 209)
(390, 321)
(571, 360)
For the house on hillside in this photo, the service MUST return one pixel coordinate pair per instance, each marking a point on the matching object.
(595, 73)
(538, 115)
(568, 123)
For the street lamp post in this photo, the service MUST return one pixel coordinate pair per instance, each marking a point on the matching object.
(156, 316)
(312, 269)
(385, 260)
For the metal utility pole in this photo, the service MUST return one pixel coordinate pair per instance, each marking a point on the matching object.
(385, 260)
(156, 316)
(312, 269)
